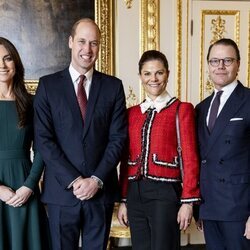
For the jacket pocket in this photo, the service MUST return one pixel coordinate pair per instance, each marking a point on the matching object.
(162, 163)
(240, 178)
(133, 162)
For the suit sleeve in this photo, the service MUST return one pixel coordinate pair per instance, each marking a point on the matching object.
(117, 137)
(46, 141)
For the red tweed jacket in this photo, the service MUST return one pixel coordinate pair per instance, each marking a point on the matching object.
(152, 149)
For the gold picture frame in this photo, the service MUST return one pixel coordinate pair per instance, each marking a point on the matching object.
(104, 18)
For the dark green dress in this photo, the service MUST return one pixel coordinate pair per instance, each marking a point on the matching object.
(25, 227)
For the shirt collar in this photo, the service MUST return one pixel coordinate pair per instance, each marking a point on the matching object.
(159, 103)
(75, 74)
(228, 89)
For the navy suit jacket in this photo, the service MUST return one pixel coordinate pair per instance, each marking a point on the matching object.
(71, 148)
(225, 159)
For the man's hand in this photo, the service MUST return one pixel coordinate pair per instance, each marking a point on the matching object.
(85, 188)
(184, 216)
(122, 214)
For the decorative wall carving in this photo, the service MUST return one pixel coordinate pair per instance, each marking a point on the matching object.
(31, 86)
(218, 30)
(149, 27)
(219, 27)
(128, 3)
(104, 18)
(131, 98)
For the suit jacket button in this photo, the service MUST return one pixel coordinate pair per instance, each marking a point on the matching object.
(221, 161)
(204, 161)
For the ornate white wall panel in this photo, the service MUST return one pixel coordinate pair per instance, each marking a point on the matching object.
(210, 22)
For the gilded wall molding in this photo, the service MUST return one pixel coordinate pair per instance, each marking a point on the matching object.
(179, 48)
(218, 28)
(31, 86)
(104, 18)
(248, 62)
(149, 28)
(188, 28)
(149, 24)
(215, 25)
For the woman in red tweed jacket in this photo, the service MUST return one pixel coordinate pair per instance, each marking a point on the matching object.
(154, 202)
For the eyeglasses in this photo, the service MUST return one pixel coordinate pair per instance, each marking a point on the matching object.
(215, 62)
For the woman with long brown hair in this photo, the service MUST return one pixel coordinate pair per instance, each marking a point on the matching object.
(21, 214)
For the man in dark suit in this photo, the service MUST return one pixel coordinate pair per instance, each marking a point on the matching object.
(81, 148)
(224, 141)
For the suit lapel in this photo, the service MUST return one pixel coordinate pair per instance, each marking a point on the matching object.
(94, 92)
(70, 95)
(231, 107)
(203, 119)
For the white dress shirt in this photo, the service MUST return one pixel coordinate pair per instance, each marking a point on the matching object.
(227, 91)
(75, 79)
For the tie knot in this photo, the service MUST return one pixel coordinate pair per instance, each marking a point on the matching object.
(219, 93)
(82, 78)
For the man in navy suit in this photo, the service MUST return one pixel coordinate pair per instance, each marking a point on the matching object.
(80, 153)
(225, 153)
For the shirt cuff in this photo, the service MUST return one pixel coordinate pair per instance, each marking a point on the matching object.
(71, 184)
(98, 180)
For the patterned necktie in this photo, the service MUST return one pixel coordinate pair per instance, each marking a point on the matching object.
(214, 111)
(81, 96)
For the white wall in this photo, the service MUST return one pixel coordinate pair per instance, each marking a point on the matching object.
(128, 35)
(127, 45)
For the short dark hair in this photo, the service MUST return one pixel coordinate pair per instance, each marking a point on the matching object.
(74, 27)
(226, 42)
(150, 55)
